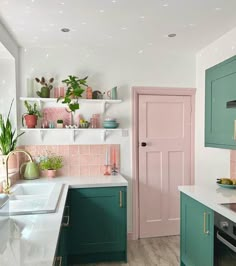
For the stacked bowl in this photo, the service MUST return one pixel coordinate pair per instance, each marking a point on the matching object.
(110, 123)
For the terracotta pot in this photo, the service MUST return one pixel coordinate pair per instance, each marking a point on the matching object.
(51, 173)
(31, 121)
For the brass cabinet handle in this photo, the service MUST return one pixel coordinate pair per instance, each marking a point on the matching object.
(67, 212)
(234, 129)
(205, 231)
(57, 259)
(66, 224)
(121, 202)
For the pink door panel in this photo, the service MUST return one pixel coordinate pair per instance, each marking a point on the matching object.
(164, 163)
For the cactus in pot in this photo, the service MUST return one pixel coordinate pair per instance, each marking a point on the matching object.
(46, 87)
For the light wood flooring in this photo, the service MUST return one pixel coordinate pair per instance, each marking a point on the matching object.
(160, 251)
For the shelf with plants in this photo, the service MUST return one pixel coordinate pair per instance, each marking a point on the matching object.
(71, 100)
(104, 132)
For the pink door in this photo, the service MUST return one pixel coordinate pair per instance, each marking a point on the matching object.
(164, 161)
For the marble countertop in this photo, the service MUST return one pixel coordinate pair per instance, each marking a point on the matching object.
(27, 240)
(212, 197)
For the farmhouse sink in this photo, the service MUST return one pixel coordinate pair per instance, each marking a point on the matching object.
(32, 199)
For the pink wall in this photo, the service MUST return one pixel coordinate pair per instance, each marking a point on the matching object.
(79, 160)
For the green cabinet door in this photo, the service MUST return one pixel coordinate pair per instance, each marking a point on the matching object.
(98, 226)
(197, 233)
(220, 88)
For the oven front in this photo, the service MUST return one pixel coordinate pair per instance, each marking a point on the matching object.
(224, 241)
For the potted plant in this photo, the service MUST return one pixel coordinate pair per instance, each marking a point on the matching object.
(31, 116)
(46, 87)
(8, 141)
(59, 123)
(50, 163)
(75, 88)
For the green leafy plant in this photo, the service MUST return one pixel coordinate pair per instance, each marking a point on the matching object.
(75, 88)
(51, 162)
(8, 139)
(59, 121)
(32, 109)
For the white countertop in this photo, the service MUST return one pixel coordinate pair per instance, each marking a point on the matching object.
(212, 197)
(31, 240)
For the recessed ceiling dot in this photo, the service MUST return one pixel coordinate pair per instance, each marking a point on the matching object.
(124, 28)
(101, 11)
(25, 50)
(84, 23)
(140, 51)
(141, 17)
(113, 1)
(60, 11)
(218, 8)
(165, 5)
(171, 35)
(62, 3)
(65, 30)
(233, 47)
(150, 43)
(3, 81)
(51, 24)
(47, 55)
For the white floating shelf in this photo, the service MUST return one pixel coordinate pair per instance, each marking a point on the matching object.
(104, 102)
(103, 131)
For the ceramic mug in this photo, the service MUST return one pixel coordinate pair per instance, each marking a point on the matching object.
(112, 94)
(29, 170)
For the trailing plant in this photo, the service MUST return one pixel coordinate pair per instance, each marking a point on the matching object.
(8, 139)
(51, 162)
(75, 88)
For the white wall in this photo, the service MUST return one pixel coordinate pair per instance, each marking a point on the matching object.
(211, 163)
(13, 76)
(106, 69)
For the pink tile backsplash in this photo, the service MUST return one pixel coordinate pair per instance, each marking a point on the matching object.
(79, 160)
(233, 163)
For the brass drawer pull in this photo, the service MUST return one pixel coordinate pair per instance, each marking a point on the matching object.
(205, 231)
(121, 202)
(234, 129)
(57, 260)
(67, 223)
(66, 215)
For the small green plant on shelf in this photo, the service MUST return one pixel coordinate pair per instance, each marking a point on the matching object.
(75, 88)
(8, 139)
(51, 162)
(31, 116)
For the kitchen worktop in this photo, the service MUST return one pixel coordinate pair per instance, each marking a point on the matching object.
(211, 197)
(27, 240)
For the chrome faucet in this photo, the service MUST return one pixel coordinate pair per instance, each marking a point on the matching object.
(7, 182)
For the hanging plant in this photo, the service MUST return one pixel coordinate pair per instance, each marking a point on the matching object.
(75, 88)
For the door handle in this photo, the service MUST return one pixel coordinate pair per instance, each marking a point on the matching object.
(205, 231)
(143, 144)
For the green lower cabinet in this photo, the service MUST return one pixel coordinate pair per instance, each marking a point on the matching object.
(197, 233)
(98, 225)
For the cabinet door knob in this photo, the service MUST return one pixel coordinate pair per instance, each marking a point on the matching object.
(143, 144)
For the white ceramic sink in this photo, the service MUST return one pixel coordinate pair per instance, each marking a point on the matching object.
(32, 199)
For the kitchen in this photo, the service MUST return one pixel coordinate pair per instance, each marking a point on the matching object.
(99, 45)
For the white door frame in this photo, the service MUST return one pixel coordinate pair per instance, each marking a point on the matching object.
(136, 91)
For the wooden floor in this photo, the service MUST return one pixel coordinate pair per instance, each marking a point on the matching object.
(161, 251)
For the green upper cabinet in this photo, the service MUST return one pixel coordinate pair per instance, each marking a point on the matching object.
(197, 233)
(219, 120)
(98, 226)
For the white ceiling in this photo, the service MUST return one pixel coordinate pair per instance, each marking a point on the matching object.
(127, 24)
